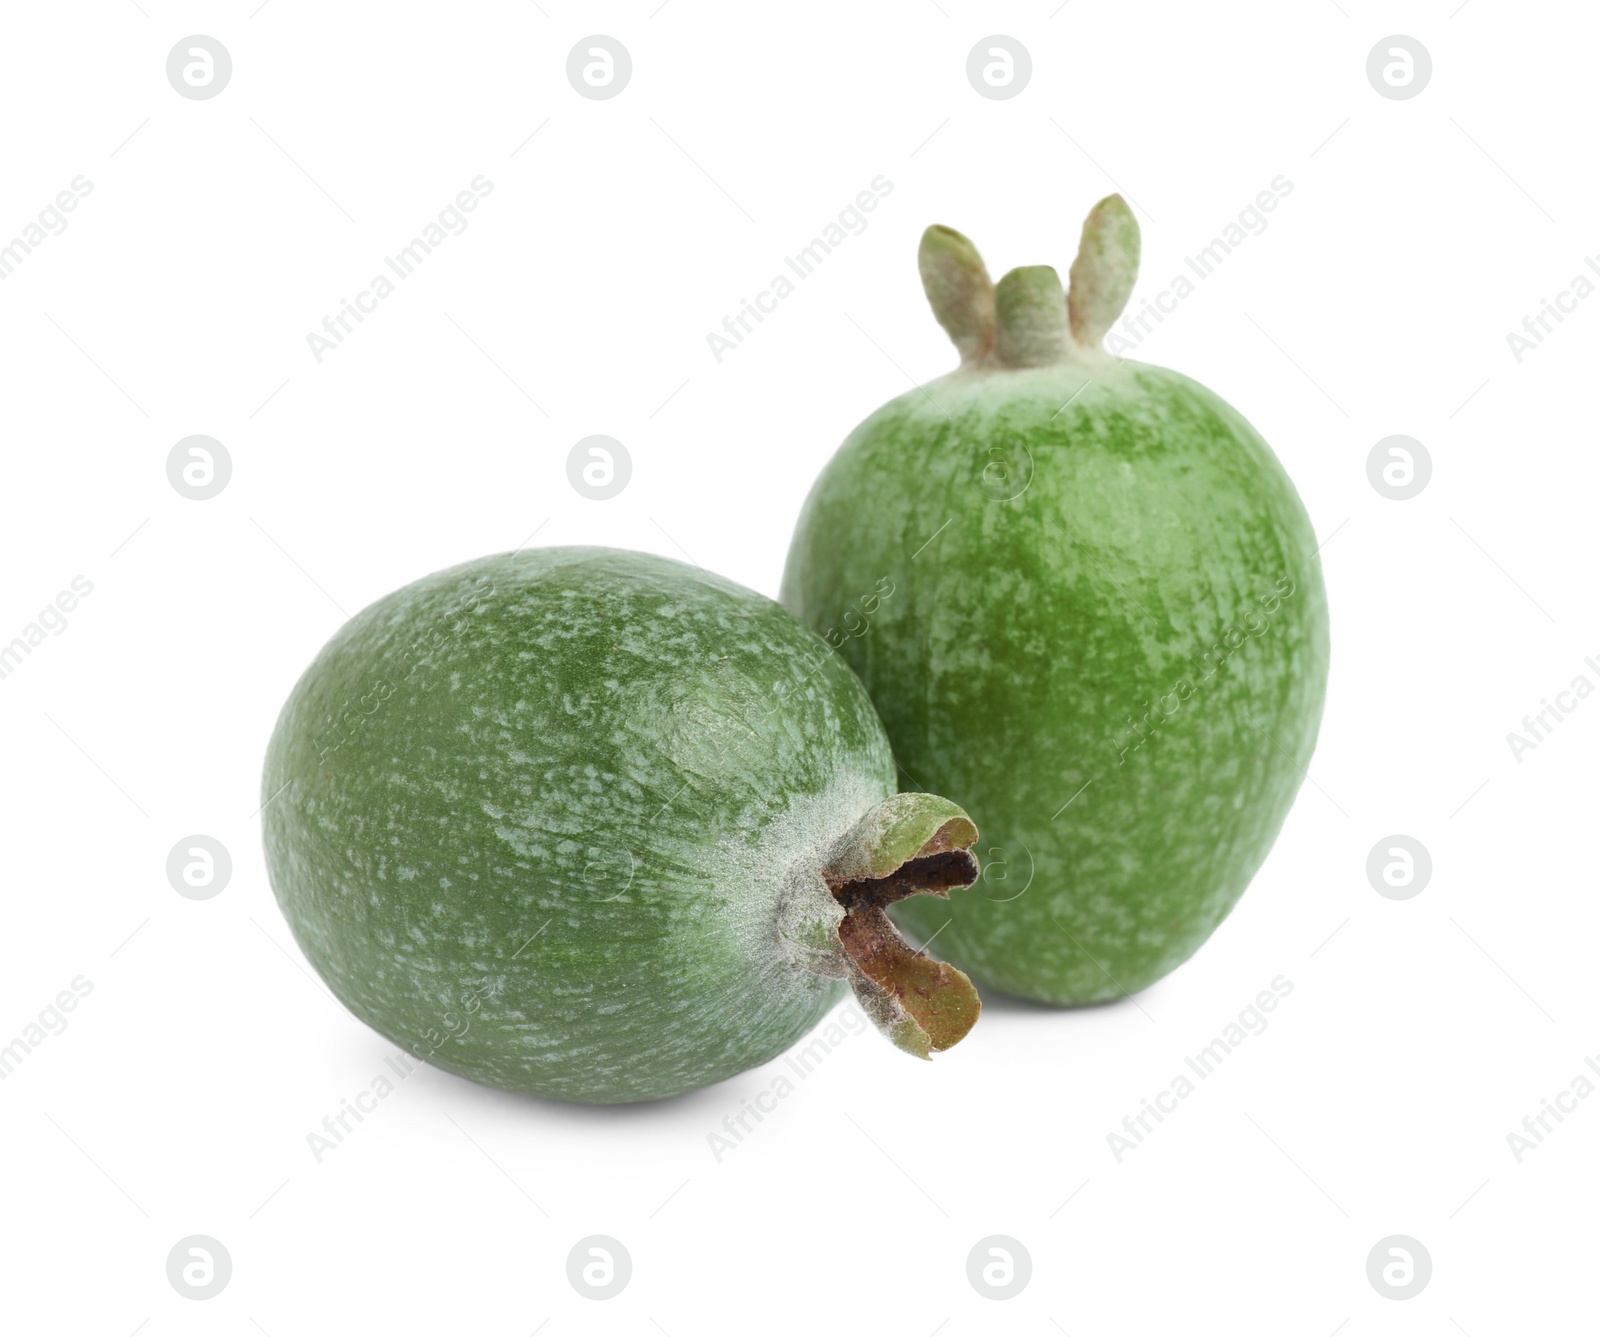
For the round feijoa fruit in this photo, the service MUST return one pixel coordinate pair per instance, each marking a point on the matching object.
(1108, 637)
(600, 826)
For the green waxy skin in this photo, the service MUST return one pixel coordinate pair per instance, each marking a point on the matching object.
(563, 821)
(1107, 635)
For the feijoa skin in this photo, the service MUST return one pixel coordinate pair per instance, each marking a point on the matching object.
(1108, 633)
(600, 826)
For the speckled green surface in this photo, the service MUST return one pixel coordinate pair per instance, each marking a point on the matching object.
(1107, 640)
(552, 820)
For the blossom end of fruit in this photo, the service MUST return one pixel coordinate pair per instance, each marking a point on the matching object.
(911, 844)
(1102, 276)
(1032, 317)
(959, 291)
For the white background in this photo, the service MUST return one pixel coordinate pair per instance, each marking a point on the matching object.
(1419, 1033)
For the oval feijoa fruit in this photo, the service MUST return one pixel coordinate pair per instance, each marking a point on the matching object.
(600, 826)
(1108, 637)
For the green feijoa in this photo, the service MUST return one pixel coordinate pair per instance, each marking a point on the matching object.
(600, 826)
(1085, 599)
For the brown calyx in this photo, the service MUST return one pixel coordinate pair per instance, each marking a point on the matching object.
(938, 1000)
